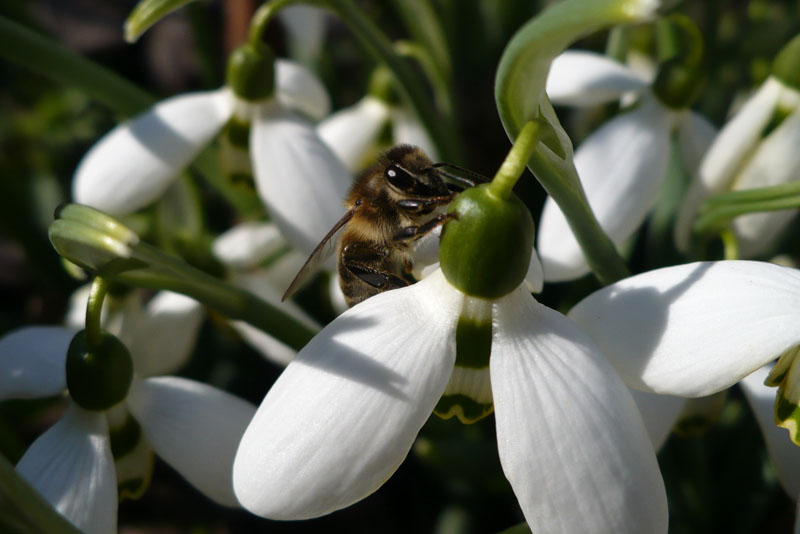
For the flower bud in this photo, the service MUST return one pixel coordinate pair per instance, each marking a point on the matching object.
(251, 72)
(98, 375)
(679, 83)
(486, 251)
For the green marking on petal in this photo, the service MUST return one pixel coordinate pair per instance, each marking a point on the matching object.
(131, 489)
(474, 334)
(778, 373)
(467, 410)
(243, 180)
(787, 415)
(125, 438)
(135, 470)
(700, 414)
(237, 132)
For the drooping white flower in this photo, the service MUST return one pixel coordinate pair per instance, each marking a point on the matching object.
(622, 165)
(183, 421)
(750, 152)
(298, 178)
(344, 414)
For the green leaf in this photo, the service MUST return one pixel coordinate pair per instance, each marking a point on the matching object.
(25, 511)
(148, 12)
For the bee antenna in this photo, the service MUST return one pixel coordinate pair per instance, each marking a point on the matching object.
(477, 178)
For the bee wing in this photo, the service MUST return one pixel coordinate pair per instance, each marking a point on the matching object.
(320, 254)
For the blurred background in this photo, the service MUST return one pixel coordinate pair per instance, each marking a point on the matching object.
(718, 478)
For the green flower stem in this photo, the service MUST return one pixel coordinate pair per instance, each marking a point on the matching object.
(146, 13)
(94, 309)
(730, 244)
(516, 161)
(435, 77)
(718, 216)
(617, 43)
(24, 509)
(376, 44)
(760, 194)
(423, 25)
(46, 57)
(102, 245)
(264, 15)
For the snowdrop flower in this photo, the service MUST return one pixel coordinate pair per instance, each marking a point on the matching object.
(345, 413)
(296, 175)
(623, 164)
(756, 148)
(259, 259)
(94, 453)
(353, 132)
(696, 329)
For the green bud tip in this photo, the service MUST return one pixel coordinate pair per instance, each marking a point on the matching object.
(251, 72)
(787, 64)
(98, 376)
(486, 251)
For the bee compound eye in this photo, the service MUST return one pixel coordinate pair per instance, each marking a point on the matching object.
(399, 178)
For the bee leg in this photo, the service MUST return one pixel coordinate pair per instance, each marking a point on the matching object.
(411, 232)
(368, 263)
(423, 206)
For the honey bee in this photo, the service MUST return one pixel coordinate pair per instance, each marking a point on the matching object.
(390, 206)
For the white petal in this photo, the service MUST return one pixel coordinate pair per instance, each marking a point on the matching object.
(306, 28)
(659, 413)
(723, 159)
(33, 362)
(535, 276)
(570, 438)
(136, 161)
(71, 466)
(694, 329)
(166, 333)
(580, 78)
(408, 129)
(776, 161)
(248, 244)
(695, 135)
(352, 132)
(621, 167)
(784, 453)
(194, 427)
(343, 415)
(298, 88)
(299, 179)
(273, 350)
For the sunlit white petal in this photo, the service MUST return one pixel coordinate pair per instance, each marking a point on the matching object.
(166, 333)
(248, 244)
(298, 88)
(194, 427)
(136, 161)
(552, 391)
(353, 131)
(784, 453)
(580, 78)
(621, 167)
(776, 161)
(299, 179)
(407, 128)
(72, 467)
(32, 362)
(344, 414)
(695, 329)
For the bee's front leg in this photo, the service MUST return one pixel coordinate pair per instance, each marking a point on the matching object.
(413, 232)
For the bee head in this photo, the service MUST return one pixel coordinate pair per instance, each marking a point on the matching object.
(410, 172)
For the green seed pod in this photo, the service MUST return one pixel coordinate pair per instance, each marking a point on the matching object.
(251, 72)
(487, 250)
(98, 377)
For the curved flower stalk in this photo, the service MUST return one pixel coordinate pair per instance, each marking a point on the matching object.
(623, 164)
(259, 259)
(466, 340)
(82, 463)
(756, 148)
(696, 329)
(296, 175)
